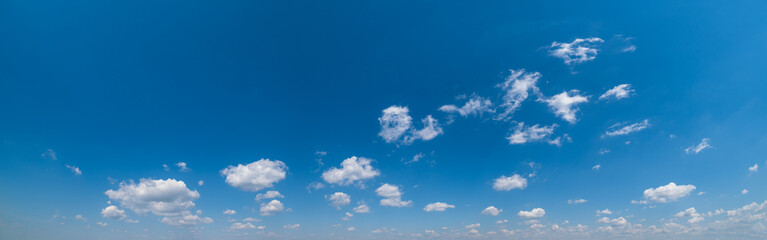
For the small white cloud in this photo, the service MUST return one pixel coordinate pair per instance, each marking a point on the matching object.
(704, 144)
(491, 210)
(620, 221)
(692, 214)
(103, 224)
(578, 51)
(472, 226)
(618, 92)
(597, 167)
(362, 208)
(437, 207)
(353, 170)
(524, 134)
(200, 183)
(622, 129)
(339, 199)
(475, 106)
(517, 88)
(350, 229)
(564, 105)
(49, 154)
(269, 195)
(430, 130)
(744, 192)
(271, 208)
(75, 170)
(182, 167)
(241, 226)
(535, 213)
(505, 183)
(392, 196)
(80, 217)
(576, 201)
(754, 168)
(230, 212)
(604, 212)
(114, 213)
(255, 176)
(668, 193)
(395, 122)
(292, 226)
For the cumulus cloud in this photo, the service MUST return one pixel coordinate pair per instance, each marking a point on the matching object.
(241, 226)
(475, 106)
(430, 130)
(169, 198)
(395, 122)
(597, 167)
(353, 170)
(505, 183)
(576, 201)
(75, 170)
(578, 51)
(269, 195)
(182, 167)
(668, 193)
(744, 192)
(535, 133)
(692, 214)
(517, 88)
(491, 210)
(704, 144)
(255, 176)
(49, 154)
(564, 104)
(620, 221)
(618, 92)
(362, 208)
(271, 208)
(339, 199)
(535, 213)
(392, 196)
(230, 212)
(623, 129)
(754, 168)
(472, 226)
(604, 212)
(437, 207)
(114, 213)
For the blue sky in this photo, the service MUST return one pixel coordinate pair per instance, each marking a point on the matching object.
(382, 120)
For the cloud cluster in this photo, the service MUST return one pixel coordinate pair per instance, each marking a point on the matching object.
(704, 144)
(618, 92)
(353, 170)
(397, 126)
(564, 104)
(437, 207)
(579, 50)
(339, 199)
(255, 176)
(271, 208)
(169, 198)
(535, 213)
(269, 195)
(505, 183)
(392, 196)
(491, 210)
(668, 193)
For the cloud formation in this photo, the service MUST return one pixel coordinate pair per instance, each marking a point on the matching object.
(578, 51)
(392, 196)
(505, 183)
(535, 213)
(353, 170)
(668, 193)
(622, 129)
(703, 145)
(564, 104)
(255, 176)
(437, 207)
(516, 88)
(618, 92)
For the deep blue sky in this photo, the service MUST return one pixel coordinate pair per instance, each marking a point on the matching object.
(119, 88)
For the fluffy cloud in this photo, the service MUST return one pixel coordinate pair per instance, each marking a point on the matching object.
(576, 201)
(618, 92)
(339, 199)
(578, 51)
(271, 208)
(563, 104)
(472, 226)
(491, 210)
(437, 207)
(604, 212)
(75, 170)
(362, 208)
(230, 212)
(430, 130)
(516, 88)
(112, 212)
(620, 221)
(255, 176)
(535, 213)
(754, 168)
(704, 144)
(622, 129)
(353, 170)
(269, 195)
(475, 106)
(535, 133)
(505, 183)
(182, 167)
(394, 123)
(692, 214)
(241, 226)
(169, 198)
(668, 193)
(392, 196)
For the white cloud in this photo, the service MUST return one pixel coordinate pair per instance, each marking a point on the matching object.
(49, 154)
(505, 183)
(620, 221)
(395, 122)
(668, 193)
(618, 92)
(622, 129)
(182, 167)
(165, 167)
(472, 226)
(339, 199)
(475, 106)
(168, 198)
(75, 170)
(350, 229)
(437, 207)
(347, 216)
(754, 168)
(744, 192)
(362, 208)
(692, 214)
(201, 182)
(353, 170)
(597, 167)
(576, 201)
(241, 226)
(274, 206)
(80, 217)
(704, 144)
(578, 51)
(516, 88)
(430, 130)
(524, 134)
(103, 224)
(604, 212)
(491, 210)
(563, 104)
(392, 196)
(230, 212)
(269, 195)
(114, 213)
(255, 176)
(535, 213)
(292, 226)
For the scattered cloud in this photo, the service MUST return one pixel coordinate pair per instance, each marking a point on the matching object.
(535, 133)
(437, 207)
(578, 51)
(577, 201)
(604, 212)
(269, 195)
(339, 199)
(397, 125)
(271, 208)
(392, 196)
(75, 170)
(618, 92)
(505, 183)
(182, 167)
(168, 198)
(200, 183)
(114, 213)
(692, 214)
(491, 210)
(704, 144)
(241, 226)
(623, 129)
(744, 192)
(475, 106)
(472, 226)
(754, 168)
(292, 226)
(230, 212)
(517, 88)
(597, 167)
(668, 193)
(535, 213)
(353, 170)
(362, 208)
(564, 104)
(49, 154)
(620, 221)
(255, 176)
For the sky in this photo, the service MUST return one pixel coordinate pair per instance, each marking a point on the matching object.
(383, 120)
